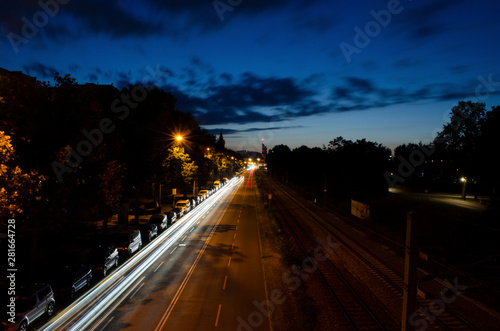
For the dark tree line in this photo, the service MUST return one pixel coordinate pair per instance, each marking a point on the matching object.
(465, 148)
(344, 168)
(81, 150)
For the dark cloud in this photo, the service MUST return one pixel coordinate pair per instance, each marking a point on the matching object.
(92, 78)
(405, 63)
(235, 131)
(12, 11)
(255, 99)
(226, 78)
(426, 20)
(74, 67)
(119, 19)
(110, 17)
(242, 100)
(361, 94)
(40, 70)
(91, 16)
(364, 85)
(426, 31)
(203, 14)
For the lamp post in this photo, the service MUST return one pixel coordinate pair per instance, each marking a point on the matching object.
(464, 184)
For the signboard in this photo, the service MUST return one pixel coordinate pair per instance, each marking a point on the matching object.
(360, 210)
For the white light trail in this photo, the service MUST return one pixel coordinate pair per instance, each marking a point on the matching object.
(123, 278)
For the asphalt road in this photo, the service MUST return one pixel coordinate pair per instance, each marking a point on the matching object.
(211, 279)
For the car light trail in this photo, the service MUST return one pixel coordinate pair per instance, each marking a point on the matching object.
(250, 180)
(122, 280)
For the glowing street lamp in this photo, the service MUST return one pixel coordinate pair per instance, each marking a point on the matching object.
(464, 183)
(178, 138)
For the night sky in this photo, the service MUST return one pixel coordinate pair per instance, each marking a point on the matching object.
(291, 72)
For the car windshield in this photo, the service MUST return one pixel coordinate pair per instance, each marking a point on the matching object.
(182, 204)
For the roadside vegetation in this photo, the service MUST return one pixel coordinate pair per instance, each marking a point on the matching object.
(74, 158)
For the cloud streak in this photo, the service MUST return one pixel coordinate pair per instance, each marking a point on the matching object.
(223, 99)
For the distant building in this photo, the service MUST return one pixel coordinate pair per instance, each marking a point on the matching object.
(220, 144)
(264, 150)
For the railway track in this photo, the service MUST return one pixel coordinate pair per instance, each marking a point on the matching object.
(351, 312)
(388, 274)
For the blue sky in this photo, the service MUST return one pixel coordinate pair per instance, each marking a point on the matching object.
(291, 72)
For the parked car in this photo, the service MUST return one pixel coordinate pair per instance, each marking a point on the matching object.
(204, 194)
(171, 217)
(135, 242)
(179, 211)
(161, 221)
(185, 205)
(193, 202)
(31, 303)
(104, 258)
(148, 231)
(73, 278)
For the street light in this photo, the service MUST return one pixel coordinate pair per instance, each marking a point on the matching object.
(464, 183)
(179, 138)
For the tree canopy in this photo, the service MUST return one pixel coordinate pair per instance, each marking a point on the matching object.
(85, 148)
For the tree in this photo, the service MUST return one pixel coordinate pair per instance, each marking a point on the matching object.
(459, 139)
(487, 156)
(221, 162)
(178, 167)
(357, 167)
(18, 189)
(278, 161)
(109, 190)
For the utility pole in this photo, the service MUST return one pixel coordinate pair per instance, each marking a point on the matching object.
(410, 277)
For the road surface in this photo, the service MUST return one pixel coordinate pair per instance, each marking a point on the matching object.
(211, 279)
